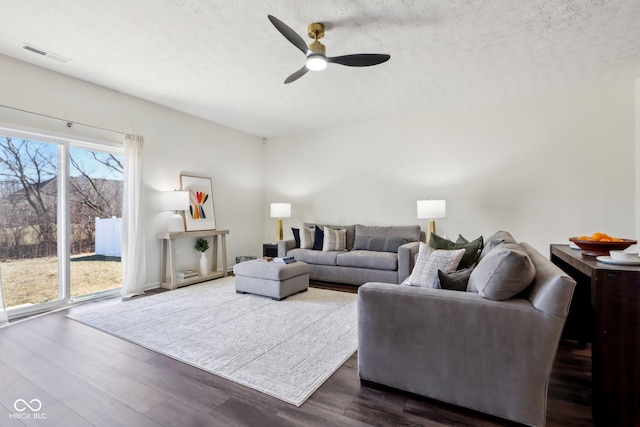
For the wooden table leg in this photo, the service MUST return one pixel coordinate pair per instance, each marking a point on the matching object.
(224, 256)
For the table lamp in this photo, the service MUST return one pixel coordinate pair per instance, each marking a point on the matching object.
(431, 209)
(175, 201)
(280, 210)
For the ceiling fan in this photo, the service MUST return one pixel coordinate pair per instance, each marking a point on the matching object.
(316, 52)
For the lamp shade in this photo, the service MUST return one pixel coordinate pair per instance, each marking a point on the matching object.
(175, 200)
(280, 210)
(432, 209)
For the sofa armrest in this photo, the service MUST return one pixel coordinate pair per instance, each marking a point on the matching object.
(285, 246)
(406, 259)
(491, 356)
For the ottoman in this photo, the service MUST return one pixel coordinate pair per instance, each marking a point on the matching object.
(271, 279)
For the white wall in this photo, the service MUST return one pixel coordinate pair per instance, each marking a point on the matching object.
(544, 169)
(175, 143)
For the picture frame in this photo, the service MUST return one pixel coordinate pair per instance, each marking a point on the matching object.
(200, 214)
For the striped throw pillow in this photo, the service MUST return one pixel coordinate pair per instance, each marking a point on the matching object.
(334, 240)
(307, 237)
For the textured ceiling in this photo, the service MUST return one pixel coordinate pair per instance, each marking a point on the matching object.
(224, 61)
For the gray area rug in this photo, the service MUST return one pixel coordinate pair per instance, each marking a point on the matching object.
(285, 349)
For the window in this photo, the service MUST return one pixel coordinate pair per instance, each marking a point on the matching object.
(60, 207)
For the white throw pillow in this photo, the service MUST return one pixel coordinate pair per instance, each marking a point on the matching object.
(307, 237)
(425, 272)
(334, 240)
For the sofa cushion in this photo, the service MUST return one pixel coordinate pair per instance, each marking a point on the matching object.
(425, 272)
(311, 256)
(307, 237)
(455, 280)
(379, 244)
(351, 231)
(503, 273)
(471, 249)
(368, 259)
(334, 240)
(409, 232)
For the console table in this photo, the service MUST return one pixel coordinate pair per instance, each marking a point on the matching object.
(615, 306)
(169, 255)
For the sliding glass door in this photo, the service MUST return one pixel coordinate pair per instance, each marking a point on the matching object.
(95, 196)
(28, 221)
(60, 210)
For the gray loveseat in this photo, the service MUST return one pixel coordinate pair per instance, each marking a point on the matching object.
(381, 254)
(458, 347)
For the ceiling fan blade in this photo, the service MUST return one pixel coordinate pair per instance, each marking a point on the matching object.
(359, 60)
(295, 76)
(289, 34)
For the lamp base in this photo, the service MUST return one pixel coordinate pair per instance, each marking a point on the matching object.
(279, 233)
(176, 224)
(431, 228)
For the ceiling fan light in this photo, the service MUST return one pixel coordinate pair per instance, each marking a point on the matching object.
(316, 62)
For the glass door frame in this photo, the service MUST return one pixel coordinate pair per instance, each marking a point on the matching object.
(63, 222)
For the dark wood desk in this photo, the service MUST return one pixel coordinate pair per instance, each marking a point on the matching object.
(615, 309)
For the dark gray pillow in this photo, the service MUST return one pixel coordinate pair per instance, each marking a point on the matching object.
(455, 280)
(379, 244)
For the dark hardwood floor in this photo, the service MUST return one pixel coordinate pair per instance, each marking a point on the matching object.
(85, 377)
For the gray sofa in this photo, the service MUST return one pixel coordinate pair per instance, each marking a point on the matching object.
(458, 347)
(378, 263)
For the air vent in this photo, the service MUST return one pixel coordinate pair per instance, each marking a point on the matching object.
(43, 52)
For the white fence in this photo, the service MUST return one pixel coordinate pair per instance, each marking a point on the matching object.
(108, 231)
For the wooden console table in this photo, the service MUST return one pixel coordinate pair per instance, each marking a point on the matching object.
(615, 306)
(169, 254)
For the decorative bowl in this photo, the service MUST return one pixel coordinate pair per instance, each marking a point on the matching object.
(624, 256)
(596, 248)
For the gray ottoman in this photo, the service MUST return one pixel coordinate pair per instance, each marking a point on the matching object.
(271, 279)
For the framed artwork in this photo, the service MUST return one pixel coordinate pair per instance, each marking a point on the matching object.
(200, 215)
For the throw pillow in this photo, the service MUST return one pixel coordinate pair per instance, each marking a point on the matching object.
(462, 240)
(455, 280)
(503, 273)
(296, 236)
(425, 272)
(379, 244)
(495, 240)
(307, 237)
(318, 239)
(491, 244)
(471, 249)
(334, 240)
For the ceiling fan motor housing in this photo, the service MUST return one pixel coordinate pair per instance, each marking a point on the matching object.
(317, 47)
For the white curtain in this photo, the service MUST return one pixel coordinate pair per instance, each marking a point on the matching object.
(133, 230)
(3, 311)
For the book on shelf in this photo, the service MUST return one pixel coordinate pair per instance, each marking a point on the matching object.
(284, 259)
(186, 274)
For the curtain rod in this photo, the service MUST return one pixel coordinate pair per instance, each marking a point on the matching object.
(68, 122)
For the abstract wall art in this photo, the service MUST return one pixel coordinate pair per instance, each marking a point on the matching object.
(200, 215)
